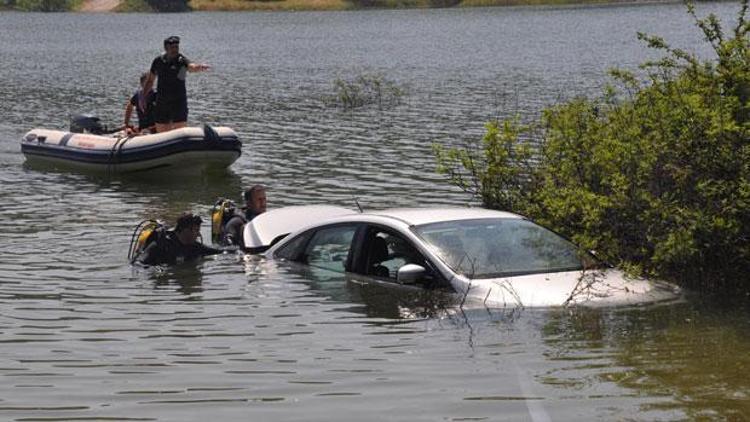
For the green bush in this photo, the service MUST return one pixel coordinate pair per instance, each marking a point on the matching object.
(44, 5)
(392, 4)
(134, 6)
(365, 90)
(654, 175)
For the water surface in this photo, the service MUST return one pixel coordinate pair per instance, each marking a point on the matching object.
(84, 336)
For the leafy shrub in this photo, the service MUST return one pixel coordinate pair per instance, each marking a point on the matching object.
(44, 5)
(366, 89)
(654, 174)
(133, 6)
(403, 3)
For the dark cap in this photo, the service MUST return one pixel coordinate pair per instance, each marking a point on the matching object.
(188, 220)
(174, 39)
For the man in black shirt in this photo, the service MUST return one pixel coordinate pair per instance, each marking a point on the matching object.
(255, 204)
(170, 69)
(179, 245)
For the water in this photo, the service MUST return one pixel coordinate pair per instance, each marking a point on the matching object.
(84, 336)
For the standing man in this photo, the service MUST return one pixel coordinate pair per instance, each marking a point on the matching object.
(255, 204)
(170, 69)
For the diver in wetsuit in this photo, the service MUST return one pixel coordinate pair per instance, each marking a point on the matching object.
(255, 204)
(179, 245)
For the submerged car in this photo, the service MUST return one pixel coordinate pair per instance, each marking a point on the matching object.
(493, 257)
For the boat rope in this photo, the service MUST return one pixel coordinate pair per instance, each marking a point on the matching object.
(115, 151)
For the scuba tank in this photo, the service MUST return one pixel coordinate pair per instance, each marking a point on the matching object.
(146, 232)
(222, 212)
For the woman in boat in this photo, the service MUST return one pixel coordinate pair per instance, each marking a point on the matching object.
(145, 114)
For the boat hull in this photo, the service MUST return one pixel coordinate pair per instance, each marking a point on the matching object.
(182, 150)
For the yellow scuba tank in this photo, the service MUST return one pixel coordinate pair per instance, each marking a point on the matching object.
(145, 232)
(143, 237)
(216, 216)
(222, 211)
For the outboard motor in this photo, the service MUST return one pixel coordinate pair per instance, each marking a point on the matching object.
(84, 123)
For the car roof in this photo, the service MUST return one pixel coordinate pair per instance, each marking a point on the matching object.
(267, 227)
(419, 216)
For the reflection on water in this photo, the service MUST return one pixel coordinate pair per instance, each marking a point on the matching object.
(186, 278)
(372, 298)
(681, 357)
(85, 336)
(167, 191)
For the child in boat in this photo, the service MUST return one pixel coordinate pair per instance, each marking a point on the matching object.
(146, 122)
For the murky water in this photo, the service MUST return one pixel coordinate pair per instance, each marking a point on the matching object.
(83, 336)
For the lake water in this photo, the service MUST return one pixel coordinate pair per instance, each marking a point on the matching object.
(83, 336)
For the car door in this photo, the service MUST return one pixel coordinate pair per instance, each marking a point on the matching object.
(383, 251)
(326, 248)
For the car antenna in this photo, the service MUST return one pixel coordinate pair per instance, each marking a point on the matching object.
(356, 201)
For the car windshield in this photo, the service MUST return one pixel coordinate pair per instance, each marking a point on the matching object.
(502, 247)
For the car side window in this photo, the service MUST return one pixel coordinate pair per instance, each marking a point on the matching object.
(387, 252)
(293, 248)
(329, 248)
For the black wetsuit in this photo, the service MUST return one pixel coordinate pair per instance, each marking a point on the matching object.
(171, 103)
(170, 250)
(233, 228)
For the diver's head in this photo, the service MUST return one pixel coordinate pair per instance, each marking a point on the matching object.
(188, 228)
(255, 199)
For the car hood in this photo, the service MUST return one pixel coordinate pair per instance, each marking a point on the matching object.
(609, 287)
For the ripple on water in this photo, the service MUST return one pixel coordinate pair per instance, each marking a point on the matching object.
(86, 337)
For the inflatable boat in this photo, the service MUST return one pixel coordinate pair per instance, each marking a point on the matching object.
(190, 149)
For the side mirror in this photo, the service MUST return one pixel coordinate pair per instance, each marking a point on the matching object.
(410, 273)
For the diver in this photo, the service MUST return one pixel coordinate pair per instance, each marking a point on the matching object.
(255, 204)
(178, 245)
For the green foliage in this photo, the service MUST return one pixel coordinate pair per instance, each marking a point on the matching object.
(44, 5)
(124, 6)
(364, 4)
(366, 89)
(653, 175)
(133, 6)
(499, 172)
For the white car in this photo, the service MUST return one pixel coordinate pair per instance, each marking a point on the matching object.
(496, 258)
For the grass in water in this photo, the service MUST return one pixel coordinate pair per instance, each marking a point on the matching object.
(366, 89)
